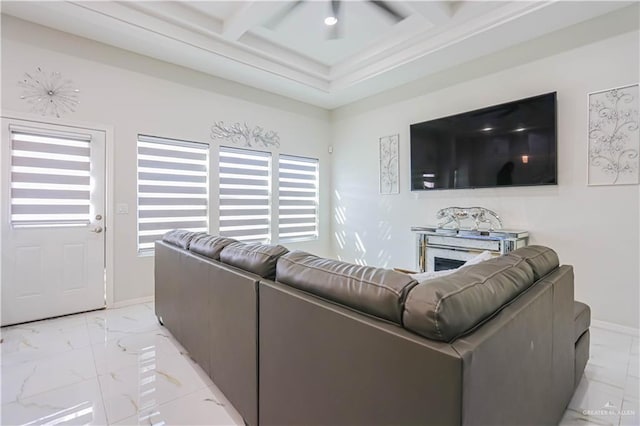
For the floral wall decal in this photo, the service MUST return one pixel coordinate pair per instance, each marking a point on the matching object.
(244, 135)
(389, 168)
(48, 93)
(614, 138)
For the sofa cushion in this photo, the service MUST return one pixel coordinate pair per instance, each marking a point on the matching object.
(541, 259)
(209, 245)
(447, 307)
(180, 237)
(256, 258)
(484, 256)
(375, 291)
(429, 275)
(582, 318)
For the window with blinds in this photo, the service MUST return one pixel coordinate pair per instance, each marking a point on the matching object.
(172, 188)
(297, 198)
(245, 194)
(50, 178)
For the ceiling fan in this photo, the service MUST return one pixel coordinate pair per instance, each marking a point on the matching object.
(333, 21)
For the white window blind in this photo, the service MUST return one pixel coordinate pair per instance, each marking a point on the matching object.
(50, 178)
(297, 198)
(245, 191)
(172, 188)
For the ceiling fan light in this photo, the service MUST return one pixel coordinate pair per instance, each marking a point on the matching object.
(330, 20)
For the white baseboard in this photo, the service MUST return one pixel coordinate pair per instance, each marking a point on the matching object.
(130, 302)
(630, 331)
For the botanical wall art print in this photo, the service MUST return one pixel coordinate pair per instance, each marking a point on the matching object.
(389, 167)
(614, 137)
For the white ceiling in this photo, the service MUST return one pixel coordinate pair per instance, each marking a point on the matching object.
(232, 39)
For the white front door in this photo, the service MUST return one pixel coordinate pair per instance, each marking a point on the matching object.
(53, 197)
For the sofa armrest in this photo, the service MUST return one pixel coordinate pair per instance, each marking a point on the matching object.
(528, 342)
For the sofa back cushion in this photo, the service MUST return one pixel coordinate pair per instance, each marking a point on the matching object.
(447, 307)
(209, 245)
(542, 259)
(259, 259)
(180, 237)
(375, 291)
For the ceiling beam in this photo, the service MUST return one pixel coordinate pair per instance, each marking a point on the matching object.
(177, 13)
(249, 15)
(436, 12)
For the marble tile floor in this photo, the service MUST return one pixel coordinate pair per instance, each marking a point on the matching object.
(120, 367)
(114, 366)
(609, 391)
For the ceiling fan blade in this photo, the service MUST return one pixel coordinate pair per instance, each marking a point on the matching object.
(335, 30)
(277, 19)
(335, 8)
(384, 6)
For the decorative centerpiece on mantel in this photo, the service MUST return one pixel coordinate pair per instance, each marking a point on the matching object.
(479, 215)
(448, 245)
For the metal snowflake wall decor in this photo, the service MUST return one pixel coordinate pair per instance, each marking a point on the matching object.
(244, 135)
(48, 93)
(614, 138)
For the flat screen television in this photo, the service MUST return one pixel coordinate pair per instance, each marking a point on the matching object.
(512, 144)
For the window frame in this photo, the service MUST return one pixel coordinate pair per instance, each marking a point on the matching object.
(259, 155)
(316, 205)
(81, 141)
(191, 147)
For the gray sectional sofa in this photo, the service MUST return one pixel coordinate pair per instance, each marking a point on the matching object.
(294, 339)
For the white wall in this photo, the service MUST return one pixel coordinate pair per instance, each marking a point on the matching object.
(595, 229)
(136, 94)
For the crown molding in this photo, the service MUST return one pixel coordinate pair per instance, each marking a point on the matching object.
(435, 36)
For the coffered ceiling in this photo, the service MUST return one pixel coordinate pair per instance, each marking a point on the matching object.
(245, 41)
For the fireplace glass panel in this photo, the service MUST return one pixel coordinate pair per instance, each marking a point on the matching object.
(441, 263)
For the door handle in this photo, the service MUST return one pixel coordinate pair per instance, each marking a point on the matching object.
(97, 229)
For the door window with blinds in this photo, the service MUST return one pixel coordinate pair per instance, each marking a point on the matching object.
(297, 198)
(50, 178)
(245, 194)
(172, 188)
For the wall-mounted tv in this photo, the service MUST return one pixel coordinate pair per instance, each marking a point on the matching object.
(512, 144)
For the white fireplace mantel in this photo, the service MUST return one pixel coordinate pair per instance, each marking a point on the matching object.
(462, 244)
